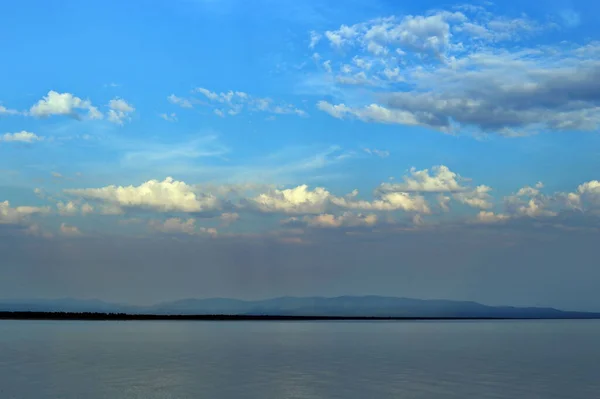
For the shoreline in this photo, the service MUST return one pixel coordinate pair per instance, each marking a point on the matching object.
(90, 316)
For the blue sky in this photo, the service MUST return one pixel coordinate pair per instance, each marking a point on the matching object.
(297, 124)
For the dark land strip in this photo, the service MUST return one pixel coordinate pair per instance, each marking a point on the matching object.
(204, 317)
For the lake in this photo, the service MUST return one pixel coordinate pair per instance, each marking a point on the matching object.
(399, 359)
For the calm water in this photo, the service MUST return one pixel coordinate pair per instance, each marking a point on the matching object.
(500, 359)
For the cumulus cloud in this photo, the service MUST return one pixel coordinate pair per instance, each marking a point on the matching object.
(293, 200)
(439, 179)
(529, 201)
(20, 137)
(585, 198)
(164, 196)
(119, 110)
(66, 104)
(233, 102)
(479, 197)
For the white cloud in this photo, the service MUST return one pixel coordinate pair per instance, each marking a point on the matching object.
(327, 220)
(20, 137)
(443, 201)
(369, 113)
(8, 111)
(440, 180)
(585, 198)
(172, 117)
(19, 214)
(67, 208)
(379, 153)
(234, 102)
(165, 196)
(491, 217)
(180, 226)
(71, 208)
(71, 231)
(479, 197)
(55, 103)
(528, 201)
(182, 102)
(391, 201)
(119, 110)
(314, 39)
(174, 225)
(293, 200)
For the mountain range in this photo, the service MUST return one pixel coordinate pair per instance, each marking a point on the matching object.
(343, 306)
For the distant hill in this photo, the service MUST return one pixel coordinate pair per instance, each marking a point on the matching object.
(344, 306)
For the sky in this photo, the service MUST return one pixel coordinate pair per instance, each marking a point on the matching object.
(152, 151)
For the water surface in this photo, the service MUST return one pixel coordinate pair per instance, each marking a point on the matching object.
(400, 359)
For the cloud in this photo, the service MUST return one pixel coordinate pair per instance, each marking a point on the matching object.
(443, 201)
(71, 208)
(71, 231)
(441, 180)
(180, 226)
(172, 117)
(293, 200)
(20, 137)
(347, 219)
(174, 225)
(67, 209)
(491, 217)
(8, 111)
(19, 214)
(163, 196)
(182, 102)
(37, 231)
(463, 72)
(379, 153)
(66, 104)
(585, 198)
(228, 218)
(119, 110)
(233, 102)
(529, 201)
(314, 39)
(390, 201)
(369, 113)
(479, 197)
